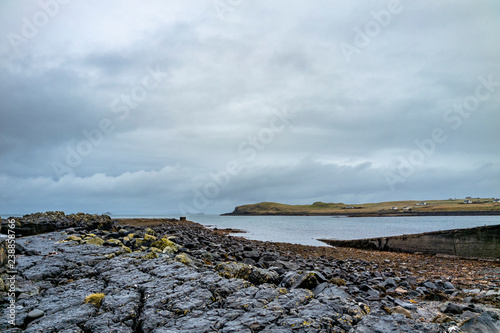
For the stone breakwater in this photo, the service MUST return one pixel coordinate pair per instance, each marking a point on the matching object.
(182, 277)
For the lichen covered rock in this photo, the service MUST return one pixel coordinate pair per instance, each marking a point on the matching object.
(166, 245)
(184, 258)
(94, 299)
(94, 241)
(252, 274)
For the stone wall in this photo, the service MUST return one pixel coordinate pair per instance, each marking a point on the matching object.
(482, 242)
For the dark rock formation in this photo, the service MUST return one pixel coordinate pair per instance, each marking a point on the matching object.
(38, 223)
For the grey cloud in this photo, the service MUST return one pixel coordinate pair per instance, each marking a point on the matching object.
(109, 63)
(224, 81)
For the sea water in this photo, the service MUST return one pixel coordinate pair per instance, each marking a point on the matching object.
(307, 229)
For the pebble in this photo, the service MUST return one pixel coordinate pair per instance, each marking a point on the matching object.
(405, 305)
(448, 285)
(451, 308)
(35, 314)
(430, 285)
(401, 310)
(492, 293)
(390, 282)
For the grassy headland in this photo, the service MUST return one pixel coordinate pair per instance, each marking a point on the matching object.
(469, 206)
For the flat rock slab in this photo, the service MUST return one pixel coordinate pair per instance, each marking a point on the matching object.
(160, 295)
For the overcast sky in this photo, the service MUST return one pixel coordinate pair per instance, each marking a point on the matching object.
(153, 107)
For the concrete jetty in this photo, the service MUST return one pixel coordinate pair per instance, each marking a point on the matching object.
(478, 242)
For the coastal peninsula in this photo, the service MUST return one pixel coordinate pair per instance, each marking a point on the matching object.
(450, 207)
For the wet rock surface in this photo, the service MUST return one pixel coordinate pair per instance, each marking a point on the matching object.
(181, 277)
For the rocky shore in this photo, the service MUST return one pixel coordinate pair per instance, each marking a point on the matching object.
(102, 275)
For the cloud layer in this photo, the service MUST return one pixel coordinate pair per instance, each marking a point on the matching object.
(168, 107)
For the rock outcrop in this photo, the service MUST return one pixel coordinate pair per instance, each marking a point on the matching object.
(38, 223)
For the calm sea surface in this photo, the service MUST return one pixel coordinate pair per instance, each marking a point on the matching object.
(306, 229)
